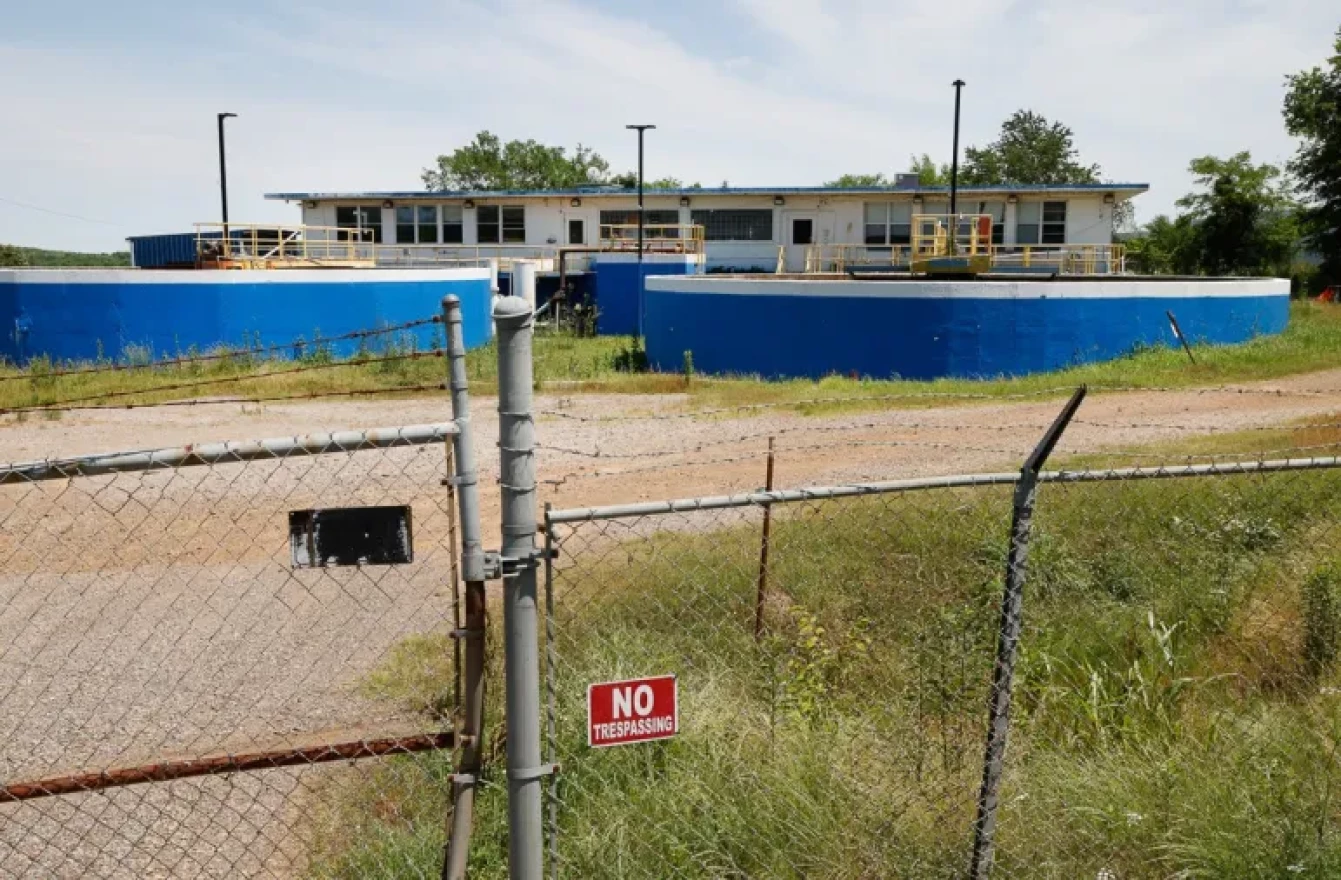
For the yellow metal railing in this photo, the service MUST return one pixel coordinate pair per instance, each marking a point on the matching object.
(657, 238)
(1063, 259)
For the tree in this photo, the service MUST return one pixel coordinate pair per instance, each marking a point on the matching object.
(1244, 216)
(629, 180)
(858, 181)
(1030, 149)
(487, 163)
(1165, 247)
(12, 256)
(928, 172)
(1313, 114)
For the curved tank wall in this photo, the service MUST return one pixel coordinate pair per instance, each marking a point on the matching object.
(81, 315)
(917, 329)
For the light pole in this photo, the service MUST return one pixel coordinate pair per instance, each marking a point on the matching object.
(223, 175)
(641, 129)
(954, 156)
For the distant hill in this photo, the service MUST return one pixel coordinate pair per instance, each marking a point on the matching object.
(13, 255)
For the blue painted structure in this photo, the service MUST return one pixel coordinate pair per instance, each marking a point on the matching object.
(917, 329)
(174, 250)
(618, 277)
(81, 315)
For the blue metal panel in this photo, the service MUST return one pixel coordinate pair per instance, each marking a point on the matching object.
(616, 293)
(101, 314)
(930, 337)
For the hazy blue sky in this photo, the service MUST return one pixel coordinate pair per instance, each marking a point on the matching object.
(109, 108)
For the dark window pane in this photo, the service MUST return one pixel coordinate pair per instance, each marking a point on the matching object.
(453, 232)
(1026, 233)
(803, 231)
(875, 233)
(514, 225)
(1054, 233)
(755, 224)
(427, 216)
(486, 224)
(576, 232)
(901, 233)
(1054, 212)
(367, 222)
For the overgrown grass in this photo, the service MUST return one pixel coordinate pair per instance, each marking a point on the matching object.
(569, 365)
(1176, 709)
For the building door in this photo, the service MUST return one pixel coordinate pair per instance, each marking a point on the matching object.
(802, 233)
(577, 231)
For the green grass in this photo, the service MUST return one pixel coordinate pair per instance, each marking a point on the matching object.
(568, 365)
(1176, 710)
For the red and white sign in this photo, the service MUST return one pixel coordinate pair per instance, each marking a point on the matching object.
(637, 710)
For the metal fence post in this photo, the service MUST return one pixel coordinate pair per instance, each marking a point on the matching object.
(470, 723)
(519, 558)
(1008, 641)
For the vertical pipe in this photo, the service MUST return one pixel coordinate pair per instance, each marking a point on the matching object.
(762, 588)
(223, 177)
(517, 482)
(471, 722)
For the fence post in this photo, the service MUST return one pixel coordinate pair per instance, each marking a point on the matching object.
(761, 589)
(519, 558)
(1008, 640)
(470, 724)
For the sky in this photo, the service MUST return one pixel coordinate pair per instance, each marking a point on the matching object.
(107, 127)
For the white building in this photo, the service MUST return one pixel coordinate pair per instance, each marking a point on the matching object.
(745, 228)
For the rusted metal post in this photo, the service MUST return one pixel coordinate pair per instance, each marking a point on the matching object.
(763, 549)
(1008, 641)
(470, 721)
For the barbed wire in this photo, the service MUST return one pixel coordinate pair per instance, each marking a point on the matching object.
(928, 395)
(75, 403)
(315, 342)
(1209, 429)
(761, 453)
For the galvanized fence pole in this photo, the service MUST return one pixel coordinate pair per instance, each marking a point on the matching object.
(551, 697)
(470, 721)
(519, 559)
(1008, 641)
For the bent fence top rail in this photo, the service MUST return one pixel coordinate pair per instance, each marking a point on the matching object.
(755, 499)
(194, 455)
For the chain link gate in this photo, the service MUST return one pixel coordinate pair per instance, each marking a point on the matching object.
(1166, 612)
(167, 627)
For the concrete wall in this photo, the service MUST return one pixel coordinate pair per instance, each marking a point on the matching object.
(930, 329)
(81, 315)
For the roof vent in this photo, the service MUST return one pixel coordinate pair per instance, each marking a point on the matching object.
(906, 181)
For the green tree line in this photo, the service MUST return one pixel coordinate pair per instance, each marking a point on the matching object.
(13, 255)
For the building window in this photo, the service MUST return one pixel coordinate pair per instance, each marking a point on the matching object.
(738, 224)
(1054, 223)
(1027, 215)
(417, 224)
(363, 224)
(630, 218)
(514, 225)
(487, 229)
(510, 229)
(453, 224)
(889, 223)
(577, 231)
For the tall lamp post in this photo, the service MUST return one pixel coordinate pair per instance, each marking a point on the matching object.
(954, 171)
(223, 174)
(641, 129)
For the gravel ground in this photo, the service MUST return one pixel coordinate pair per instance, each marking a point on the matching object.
(144, 616)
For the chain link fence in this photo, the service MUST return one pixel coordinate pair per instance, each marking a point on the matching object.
(1164, 639)
(192, 671)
